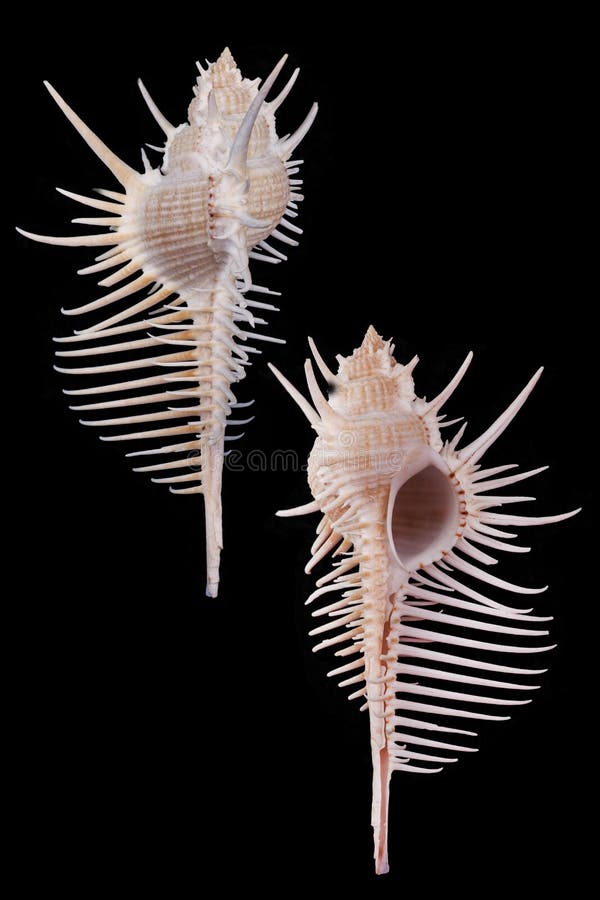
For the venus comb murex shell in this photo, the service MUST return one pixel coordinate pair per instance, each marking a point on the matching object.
(186, 231)
(408, 514)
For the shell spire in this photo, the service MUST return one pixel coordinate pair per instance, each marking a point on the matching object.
(410, 516)
(372, 350)
(175, 245)
(224, 72)
(372, 342)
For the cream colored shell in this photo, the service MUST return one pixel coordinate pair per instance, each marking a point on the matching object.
(184, 233)
(406, 515)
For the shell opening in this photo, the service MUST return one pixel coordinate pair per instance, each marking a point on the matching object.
(423, 514)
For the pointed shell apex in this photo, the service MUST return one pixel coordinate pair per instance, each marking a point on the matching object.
(224, 72)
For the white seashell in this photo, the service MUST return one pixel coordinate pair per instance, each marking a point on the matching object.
(410, 515)
(186, 232)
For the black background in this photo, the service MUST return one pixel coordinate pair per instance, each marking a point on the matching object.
(166, 736)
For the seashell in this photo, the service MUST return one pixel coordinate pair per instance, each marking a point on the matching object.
(408, 516)
(184, 233)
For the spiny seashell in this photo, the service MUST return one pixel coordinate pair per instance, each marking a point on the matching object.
(186, 231)
(408, 513)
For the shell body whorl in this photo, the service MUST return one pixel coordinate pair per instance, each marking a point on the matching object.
(185, 232)
(407, 516)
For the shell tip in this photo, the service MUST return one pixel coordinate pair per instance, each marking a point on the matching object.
(372, 340)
